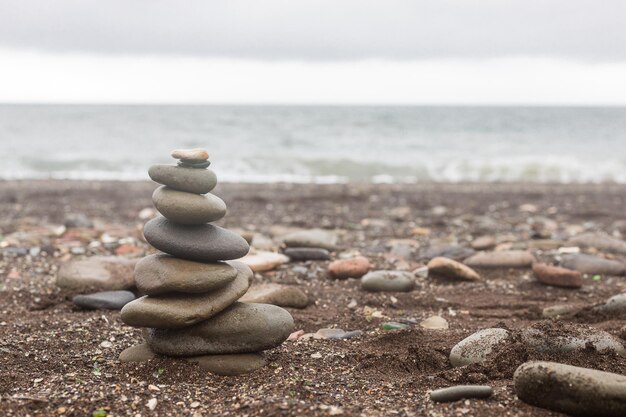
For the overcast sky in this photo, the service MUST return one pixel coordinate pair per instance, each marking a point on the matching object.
(321, 51)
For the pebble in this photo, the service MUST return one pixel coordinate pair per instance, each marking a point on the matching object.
(201, 243)
(349, 268)
(449, 268)
(600, 241)
(137, 353)
(191, 180)
(456, 252)
(313, 238)
(476, 347)
(592, 265)
(560, 310)
(111, 300)
(336, 334)
(392, 281)
(615, 304)
(77, 220)
(195, 154)
(276, 294)
(501, 259)
(556, 276)
(570, 389)
(161, 273)
(230, 365)
(307, 254)
(196, 165)
(483, 243)
(98, 273)
(434, 323)
(262, 261)
(572, 338)
(241, 328)
(187, 208)
(461, 392)
(181, 310)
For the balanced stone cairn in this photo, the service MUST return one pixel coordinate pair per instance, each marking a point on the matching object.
(190, 308)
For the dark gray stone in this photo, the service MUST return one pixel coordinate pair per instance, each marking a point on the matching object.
(192, 180)
(194, 164)
(110, 300)
(588, 264)
(460, 392)
(201, 243)
(307, 254)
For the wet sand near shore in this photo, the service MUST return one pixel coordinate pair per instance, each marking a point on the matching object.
(53, 362)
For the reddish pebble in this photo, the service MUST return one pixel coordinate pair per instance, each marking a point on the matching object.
(296, 335)
(128, 249)
(349, 268)
(557, 276)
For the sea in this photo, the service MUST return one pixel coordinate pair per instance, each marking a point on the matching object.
(318, 144)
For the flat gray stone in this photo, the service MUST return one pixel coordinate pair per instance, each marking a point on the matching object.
(572, 338)
(307, 254)
(600, 241)
(476, 347)
(588, 264)
(191, 180)
(187, 208)
(570, 389)
(501, 259)
(461, 392)
(230, 365)
(97, 273)
(242, 328)
(276, 294)
(313, 238)
(137, 353)
(181, 310)
(161, 273)
(390, 281)
(201, 243)
(109, 300)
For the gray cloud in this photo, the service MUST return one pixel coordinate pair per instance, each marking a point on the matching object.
(321, 29)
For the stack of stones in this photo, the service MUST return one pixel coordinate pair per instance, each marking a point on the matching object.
(190, 308)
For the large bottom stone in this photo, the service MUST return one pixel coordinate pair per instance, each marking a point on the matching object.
(242, 328)
(229, 365)
(570, 389)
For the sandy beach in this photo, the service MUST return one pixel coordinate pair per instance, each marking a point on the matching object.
(53, 360)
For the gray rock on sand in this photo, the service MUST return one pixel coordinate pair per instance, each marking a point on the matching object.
(390, 281)
(451, 269)
(615, 304)
(588, 264)
(476, 347)
(230, 365)
(98, 273)
(461, 392)
(242, 328)
(161, 273)
(571, 389)
(560, 310)
(572, 338)
(307, 254)
(191, 180)
(187, 208)
(276, 294)
(313, 238)
(180, 310)
(501, 259)
(110, 300)
(600, 241)
(201, 243)
(137, 353)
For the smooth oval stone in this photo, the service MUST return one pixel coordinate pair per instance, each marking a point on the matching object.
(615, 304)
(276, 294)
(230, 365)
(556, 276)
(451, 269)
(97, 272)
(161, 273)
(191, 180)
(195, 154)
(110, 300)
(192, 164)
(312, 238)
(242, 328)
(349, 268)
(560, 310)
(476, 347)
(187, 208)
(572, 338)
(588, 264)
(461, 392)
(201, 243)
(601, 241)
(181, 310)
(137, 353)
(501, 259)
(399, 281)
(307, 254)
(262, 261)
(570, 389)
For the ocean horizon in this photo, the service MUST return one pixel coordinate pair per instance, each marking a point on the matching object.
(318, 144)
